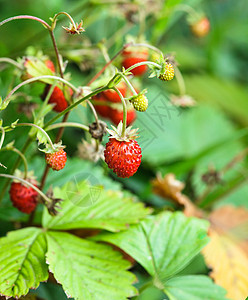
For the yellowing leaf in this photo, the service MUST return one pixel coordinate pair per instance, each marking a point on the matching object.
(229, 265)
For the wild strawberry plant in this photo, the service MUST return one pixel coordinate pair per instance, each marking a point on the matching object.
(58, 244)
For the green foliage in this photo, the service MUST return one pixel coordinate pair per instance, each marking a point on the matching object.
(22, 261)
(87, 206)
(164, 245)
(193, 288)
(88, 270)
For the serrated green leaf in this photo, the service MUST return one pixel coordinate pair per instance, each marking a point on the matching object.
(162, 244)
(88, 206)
(87, 270)
(22, 261)
(193, 287)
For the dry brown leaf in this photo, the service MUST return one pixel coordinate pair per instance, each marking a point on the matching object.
(229, 265)
(170, 188)
(228, 217)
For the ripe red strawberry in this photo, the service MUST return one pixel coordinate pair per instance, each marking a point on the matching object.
(50, 65)
(131, 58)
(23, 197)
(102, 110)
(113, 96)
(116, 116)
(201, 27)
(56, 160)
(57, 98)
(123, 154)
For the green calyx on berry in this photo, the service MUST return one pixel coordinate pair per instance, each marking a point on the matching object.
(168, 74)
(55, 156)
(139, 101)
(166, 70)
(56, 147)
(116, 133)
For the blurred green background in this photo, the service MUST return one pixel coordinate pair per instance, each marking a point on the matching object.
(185, 141)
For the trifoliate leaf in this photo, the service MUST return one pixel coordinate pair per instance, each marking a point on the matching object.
(162, 244)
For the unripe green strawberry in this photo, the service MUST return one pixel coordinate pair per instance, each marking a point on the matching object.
(140, 102)
(169, 73)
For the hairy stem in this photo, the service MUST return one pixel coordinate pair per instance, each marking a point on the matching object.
(180, 81)
(24, 149)
(143, 63)
(124, 104)
(10, 61)
(2, 137)
(25, 17)
(22, 157)
(39, 128)
(37, 79)
(68, 124)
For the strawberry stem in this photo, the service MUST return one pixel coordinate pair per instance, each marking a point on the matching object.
(10, 61)
(143, 63)
(37, 79)
(68, 124)
(2, 137)
(26, 17)
(188, 9)
(39, 128)
(25, 163)
(180, 81)
(67, 15)
(146, 46)
(129, 84)
(124, 104)
(25, 147)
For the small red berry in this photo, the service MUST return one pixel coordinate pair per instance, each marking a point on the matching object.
(50, 65)
(124, 158)
(116, 116)
(56, 160)
(131, 58)
(23, 197)
(57, 98)
(102, 110)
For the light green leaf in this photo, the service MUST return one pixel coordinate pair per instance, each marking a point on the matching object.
(36, 68)
(87, 270)
(162, 244)
(22, 261)
(88, 206)
(193, 287)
